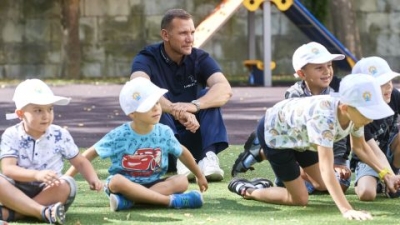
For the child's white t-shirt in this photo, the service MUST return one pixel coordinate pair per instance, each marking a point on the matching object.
(303, 123)
(46, 153)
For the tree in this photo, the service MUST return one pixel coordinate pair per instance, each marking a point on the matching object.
(344, 25)
(70, 49)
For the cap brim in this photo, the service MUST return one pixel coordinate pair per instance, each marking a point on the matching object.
(55, 100)
(324, 59)
(377, 112)
(327, 58)
(151, 100)
(384, 78)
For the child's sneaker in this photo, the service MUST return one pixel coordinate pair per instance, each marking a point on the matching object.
(393, 195)
(247, 158)
(239, 186)
(260, 183)
(119, 202)
(191, 199)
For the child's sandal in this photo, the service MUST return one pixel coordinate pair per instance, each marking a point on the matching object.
(11, 214)
(56, 213)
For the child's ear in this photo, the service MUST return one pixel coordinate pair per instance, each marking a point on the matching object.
(301, 74)
(19, 113)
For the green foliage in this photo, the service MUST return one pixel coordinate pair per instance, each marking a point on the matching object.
(319, 8)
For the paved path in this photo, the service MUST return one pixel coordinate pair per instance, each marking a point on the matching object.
(94, 110)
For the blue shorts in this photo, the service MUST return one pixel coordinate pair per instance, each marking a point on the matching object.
(362, 169)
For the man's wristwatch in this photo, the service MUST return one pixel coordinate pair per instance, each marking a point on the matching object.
(197, 104)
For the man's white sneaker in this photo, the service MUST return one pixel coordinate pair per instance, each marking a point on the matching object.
(183, 170)
(209, 165)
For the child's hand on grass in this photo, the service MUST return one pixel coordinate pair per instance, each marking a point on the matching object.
(202, 182)
(357, 215)
(96, 185)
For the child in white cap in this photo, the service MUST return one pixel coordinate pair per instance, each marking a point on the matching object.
(139, 150)
(32, 154)
(295, 125)
(381, 135)
(312, 63)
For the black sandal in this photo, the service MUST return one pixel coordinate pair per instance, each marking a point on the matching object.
(56, 213)
(11, 214)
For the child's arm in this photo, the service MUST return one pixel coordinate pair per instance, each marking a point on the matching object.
(340, 152)
(81, 164)
(89, 154)
(379, 154)
(187, 159)
(10, 169)
(376, 161)
(325, 157)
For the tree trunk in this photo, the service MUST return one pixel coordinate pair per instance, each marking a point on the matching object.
(344, 25)
(71, 48)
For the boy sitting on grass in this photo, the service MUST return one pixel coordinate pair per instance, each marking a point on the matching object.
(32, 154)
(139, 150)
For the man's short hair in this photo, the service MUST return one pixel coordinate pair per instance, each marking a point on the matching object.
(172, 14)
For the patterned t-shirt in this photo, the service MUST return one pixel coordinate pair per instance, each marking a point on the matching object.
(142, 159)
(45, 153)
(303, 123)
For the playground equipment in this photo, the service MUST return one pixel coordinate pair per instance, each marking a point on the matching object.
(215, 20)
(294, 10)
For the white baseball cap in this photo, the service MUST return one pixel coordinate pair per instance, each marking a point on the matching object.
(377, 67)
(364, 93)
(35, 91)
(139, 95)
(312, 52)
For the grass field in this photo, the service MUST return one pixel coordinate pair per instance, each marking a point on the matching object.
(224, 207)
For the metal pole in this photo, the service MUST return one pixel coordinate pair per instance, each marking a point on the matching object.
(267, 43)
(251, 34)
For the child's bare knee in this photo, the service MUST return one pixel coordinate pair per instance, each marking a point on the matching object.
(303, 201)
(366, 195)
(115, 183)
(183, 180)
(181, 183)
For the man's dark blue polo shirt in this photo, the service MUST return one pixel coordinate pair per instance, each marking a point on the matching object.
(182, 81)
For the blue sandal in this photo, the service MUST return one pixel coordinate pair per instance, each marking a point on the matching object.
(56, 213)
(11, 214)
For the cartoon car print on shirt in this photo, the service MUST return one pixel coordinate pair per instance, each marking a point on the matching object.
(144, 161)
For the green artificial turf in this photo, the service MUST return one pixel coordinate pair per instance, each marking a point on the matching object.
(222, 206)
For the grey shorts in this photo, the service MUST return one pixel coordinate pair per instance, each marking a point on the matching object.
(31, 189)
(362, 169)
